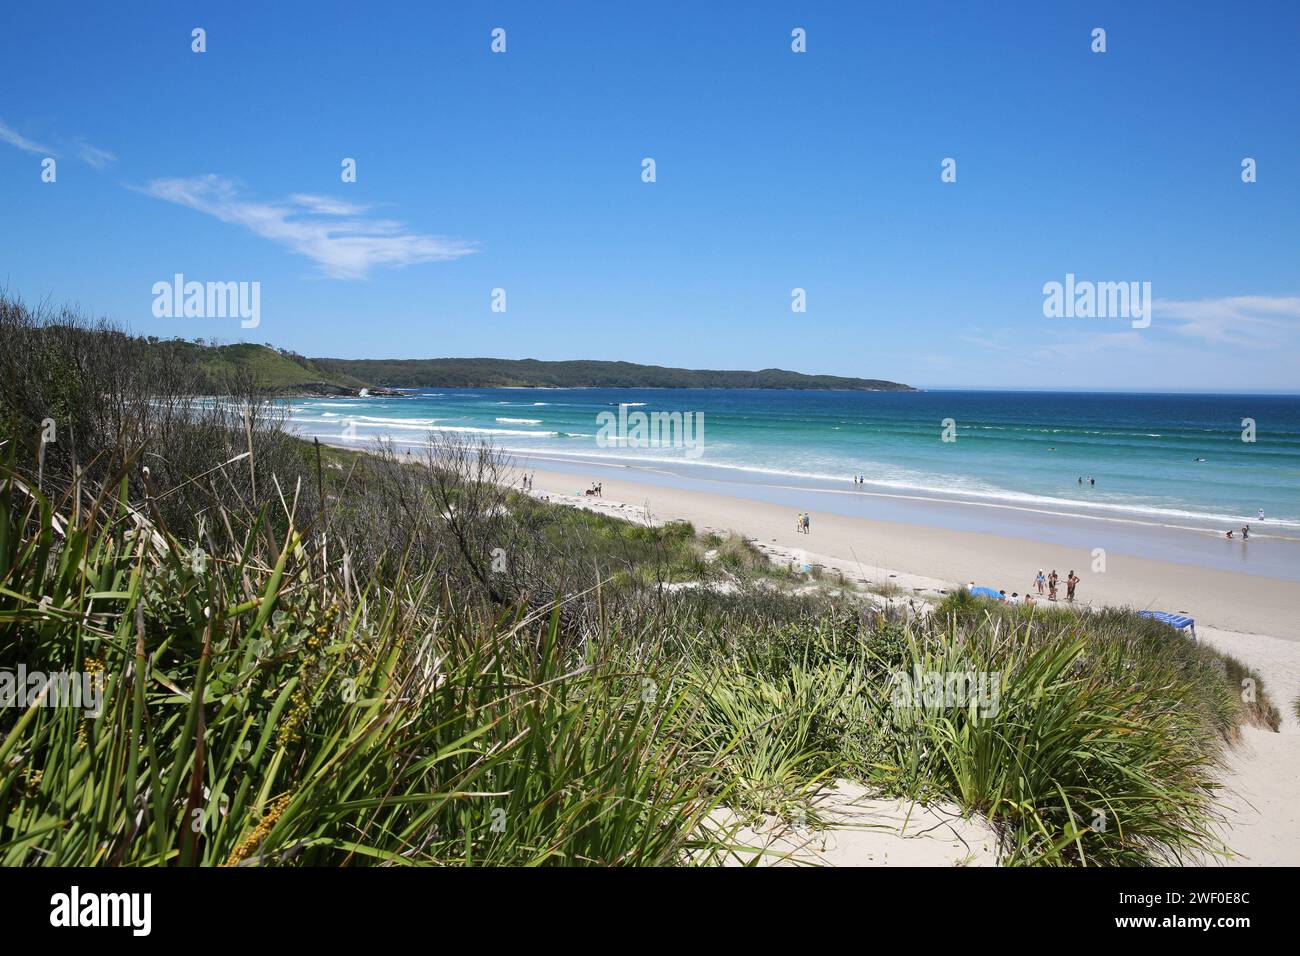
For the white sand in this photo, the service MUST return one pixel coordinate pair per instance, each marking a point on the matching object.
(861, 830)
(1252, 618)
(930, 557)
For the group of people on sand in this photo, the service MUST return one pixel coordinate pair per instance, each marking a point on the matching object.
(802, 523)
(597, 490)
(1053, 581)
(527, 482)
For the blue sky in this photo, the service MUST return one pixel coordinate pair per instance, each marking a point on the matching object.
(775, 170)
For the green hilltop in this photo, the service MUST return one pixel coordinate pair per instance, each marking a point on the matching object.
(269, 367)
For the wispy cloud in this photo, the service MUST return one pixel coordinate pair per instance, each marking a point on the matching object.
(336, 235)
(1081, 344)
(14, 138)
(99, 158)
(1253, 321)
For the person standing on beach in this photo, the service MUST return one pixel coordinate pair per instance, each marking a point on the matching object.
(1261, 514)
(1051, 585)
(798, 523)
(1070, 583)
(807, 522)
(1040, 580)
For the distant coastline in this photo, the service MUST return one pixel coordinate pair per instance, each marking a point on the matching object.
(534, 373)
(291, 374)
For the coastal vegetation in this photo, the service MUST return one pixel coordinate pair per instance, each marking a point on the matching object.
(309, 656)
(277, 370)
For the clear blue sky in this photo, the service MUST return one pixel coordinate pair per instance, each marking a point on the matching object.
(775, 170)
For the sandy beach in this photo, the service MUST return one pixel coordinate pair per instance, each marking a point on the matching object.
(927, 557)
(1250, 617)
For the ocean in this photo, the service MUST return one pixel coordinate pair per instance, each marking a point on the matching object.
(1173, 459)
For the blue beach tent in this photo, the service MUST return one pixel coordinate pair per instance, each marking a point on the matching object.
(1177, 621)
(986, 592)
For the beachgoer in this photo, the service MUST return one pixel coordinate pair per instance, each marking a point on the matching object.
(1040, 580)
(798, 522)
(1029, 599)
(1245, 532)
(807, 522)
(1092, 480)
(1229, 533)
(1261, 514)
(1070, 583)
(1051, 585)
(1081, 479)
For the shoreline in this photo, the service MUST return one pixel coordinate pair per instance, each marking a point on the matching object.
(930, 558)
(757, 479)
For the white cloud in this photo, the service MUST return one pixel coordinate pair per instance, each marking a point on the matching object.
(334, 234)
(99, 158)
(1253, 321)
(14, 138)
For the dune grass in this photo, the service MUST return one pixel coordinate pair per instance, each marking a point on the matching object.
(253, 713)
